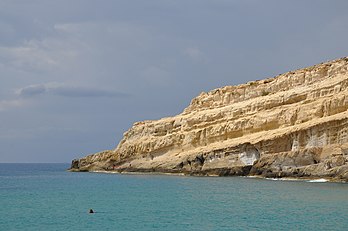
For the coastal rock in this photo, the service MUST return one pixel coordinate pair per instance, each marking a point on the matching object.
(292, 125)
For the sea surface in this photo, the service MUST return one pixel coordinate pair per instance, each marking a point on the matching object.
(46, 197)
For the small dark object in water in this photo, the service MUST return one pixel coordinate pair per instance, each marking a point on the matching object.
(91, 211)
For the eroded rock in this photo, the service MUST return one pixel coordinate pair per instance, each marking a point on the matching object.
(292, 125)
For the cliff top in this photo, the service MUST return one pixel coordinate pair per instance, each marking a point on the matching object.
(231, 94)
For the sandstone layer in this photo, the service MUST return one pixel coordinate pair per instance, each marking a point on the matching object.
(292, 125)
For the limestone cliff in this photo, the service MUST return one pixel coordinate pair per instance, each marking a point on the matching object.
(292, 125)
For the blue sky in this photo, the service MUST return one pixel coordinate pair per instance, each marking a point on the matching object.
(76, 74)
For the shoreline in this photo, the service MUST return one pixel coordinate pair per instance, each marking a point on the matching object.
(294, 179)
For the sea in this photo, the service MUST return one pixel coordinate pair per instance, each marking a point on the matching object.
(47, 197)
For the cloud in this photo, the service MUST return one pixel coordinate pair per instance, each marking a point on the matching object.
(85, 92)
(6, 32)
(32, 90)
(29, 56)
(195, 54)
(47, 54)
(156, 76)
(7, 104)
(66, 91)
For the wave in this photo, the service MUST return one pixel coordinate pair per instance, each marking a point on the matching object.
(322, 180)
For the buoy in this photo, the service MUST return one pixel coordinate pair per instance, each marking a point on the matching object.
(91, 211)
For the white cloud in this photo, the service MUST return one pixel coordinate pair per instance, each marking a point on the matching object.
(8, 104)
(195, 54)
(27, 56)
(46, 54)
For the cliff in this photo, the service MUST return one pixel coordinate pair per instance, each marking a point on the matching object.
(292, 125)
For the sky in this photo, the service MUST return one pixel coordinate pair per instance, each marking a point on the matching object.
(76, 74)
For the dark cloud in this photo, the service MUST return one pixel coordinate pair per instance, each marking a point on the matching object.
(32, 90)
(162, 53)
(67, 91)
(85, 92)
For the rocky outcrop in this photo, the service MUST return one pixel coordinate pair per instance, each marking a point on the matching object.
(292, 125)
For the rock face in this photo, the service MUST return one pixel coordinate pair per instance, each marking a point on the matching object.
(292, 125)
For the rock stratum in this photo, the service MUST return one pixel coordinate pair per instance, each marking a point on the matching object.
(292, 125)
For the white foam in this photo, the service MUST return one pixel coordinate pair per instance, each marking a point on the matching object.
(318, 181)
(252, 176)
(285, 179)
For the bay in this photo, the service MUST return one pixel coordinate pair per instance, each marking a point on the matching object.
(47, 197)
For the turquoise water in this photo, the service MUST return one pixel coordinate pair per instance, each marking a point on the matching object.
(45, 197)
